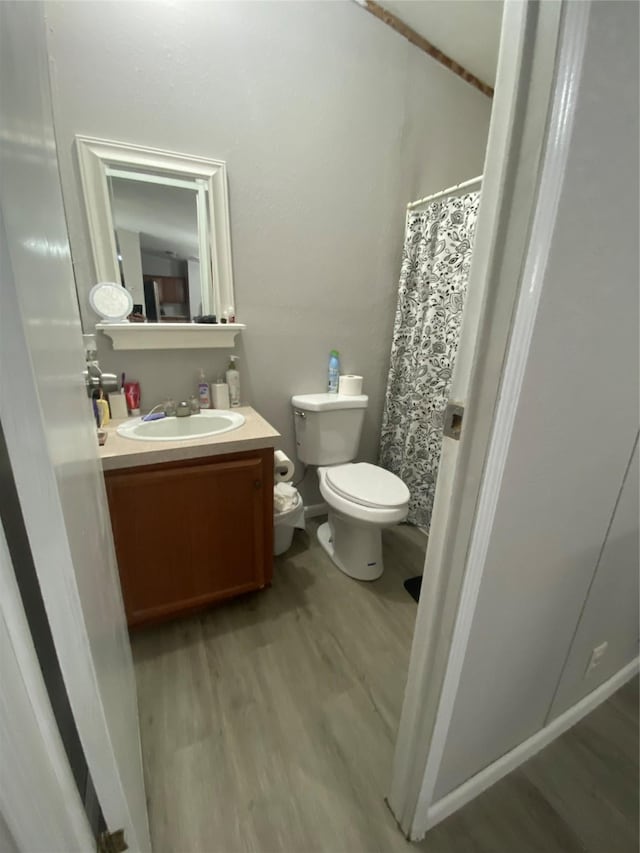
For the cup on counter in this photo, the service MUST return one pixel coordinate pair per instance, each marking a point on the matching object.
(118, 406)
(132, 396)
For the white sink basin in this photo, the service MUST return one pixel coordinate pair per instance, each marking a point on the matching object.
(208, 422)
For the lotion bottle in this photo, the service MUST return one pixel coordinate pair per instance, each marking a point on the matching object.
(233, 381)
(203, 391)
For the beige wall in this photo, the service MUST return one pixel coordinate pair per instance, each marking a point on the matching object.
(329, 122)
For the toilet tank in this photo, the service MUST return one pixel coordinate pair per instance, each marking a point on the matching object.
(328, 427)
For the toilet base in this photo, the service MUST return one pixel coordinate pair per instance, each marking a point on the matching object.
(355, 549)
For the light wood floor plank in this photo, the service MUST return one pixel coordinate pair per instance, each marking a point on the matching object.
(268, 726)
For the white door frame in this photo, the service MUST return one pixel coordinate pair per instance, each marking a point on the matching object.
(39, 801)
(51, 439)
(525, 90)
(26, 436)
(45, 524)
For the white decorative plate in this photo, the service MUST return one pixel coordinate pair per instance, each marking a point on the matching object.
(111, 301)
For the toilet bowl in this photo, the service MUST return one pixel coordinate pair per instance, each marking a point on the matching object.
(362, 499)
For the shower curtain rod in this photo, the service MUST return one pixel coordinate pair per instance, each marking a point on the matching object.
(465, 185)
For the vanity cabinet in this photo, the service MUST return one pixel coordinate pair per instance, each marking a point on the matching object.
(192, 532)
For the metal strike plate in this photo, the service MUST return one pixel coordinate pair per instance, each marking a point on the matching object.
(453, 416)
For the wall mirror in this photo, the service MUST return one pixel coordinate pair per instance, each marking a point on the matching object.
(159, 225)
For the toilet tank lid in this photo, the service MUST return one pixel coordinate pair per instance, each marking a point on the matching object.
(327, 402)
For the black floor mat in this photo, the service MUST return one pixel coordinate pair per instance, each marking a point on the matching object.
(413, 587)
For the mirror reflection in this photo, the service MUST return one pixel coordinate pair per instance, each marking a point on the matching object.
(158, 235)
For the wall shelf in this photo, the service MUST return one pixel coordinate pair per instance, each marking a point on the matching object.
(171, 335)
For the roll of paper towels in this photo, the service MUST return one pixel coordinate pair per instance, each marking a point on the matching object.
(350, 385)
(219, 395)
(283, 467)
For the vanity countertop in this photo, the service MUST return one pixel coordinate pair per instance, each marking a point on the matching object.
(119, 452)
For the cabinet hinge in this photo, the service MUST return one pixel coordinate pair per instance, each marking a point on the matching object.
(112, 842)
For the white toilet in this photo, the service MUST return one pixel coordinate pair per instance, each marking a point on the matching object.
(362, 498)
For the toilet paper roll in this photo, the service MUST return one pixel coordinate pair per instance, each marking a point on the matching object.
(350, 385)
(283, 467)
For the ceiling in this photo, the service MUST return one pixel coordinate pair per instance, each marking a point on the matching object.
(165, 216)
(466, 30)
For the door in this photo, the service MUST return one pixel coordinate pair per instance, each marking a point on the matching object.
(172, 290)
(50, 433)
(33, 754)
(523, 94)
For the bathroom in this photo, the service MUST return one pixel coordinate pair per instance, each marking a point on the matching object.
(266, 709)
(303, 278)
(273, 90)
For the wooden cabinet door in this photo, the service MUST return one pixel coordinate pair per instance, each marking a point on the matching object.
(172, 290)
(226, 539)
(188, 534)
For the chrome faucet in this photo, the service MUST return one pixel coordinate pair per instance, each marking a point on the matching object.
(188, 407)
(171, 409)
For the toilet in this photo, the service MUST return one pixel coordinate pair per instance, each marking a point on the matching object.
(362, 498)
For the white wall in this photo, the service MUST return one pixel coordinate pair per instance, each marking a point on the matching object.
(610, 612)
(129, 244)
(573, 436)
(330, 123)
(7, 844)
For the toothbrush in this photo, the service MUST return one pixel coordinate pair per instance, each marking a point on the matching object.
(153, 415)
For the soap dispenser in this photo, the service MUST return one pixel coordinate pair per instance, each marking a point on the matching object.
(203, 391)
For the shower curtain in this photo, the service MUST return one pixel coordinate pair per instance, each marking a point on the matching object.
(433, 282)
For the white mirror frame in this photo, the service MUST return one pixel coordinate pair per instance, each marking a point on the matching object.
(95, 155)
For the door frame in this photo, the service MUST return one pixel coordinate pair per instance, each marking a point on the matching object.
(51, 443)
(488, 371)
(35, 479)
(39, 800)
(511, 178)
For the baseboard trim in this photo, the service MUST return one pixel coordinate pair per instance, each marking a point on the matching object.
(505, 764)
(314, 510)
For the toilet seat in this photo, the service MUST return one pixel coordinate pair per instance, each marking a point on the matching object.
(367, 485)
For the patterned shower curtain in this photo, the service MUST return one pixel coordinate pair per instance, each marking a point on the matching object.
(433, 282)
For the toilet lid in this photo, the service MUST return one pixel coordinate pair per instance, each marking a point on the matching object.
(368, 485)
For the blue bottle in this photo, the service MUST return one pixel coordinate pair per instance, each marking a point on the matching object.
(334, 371)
